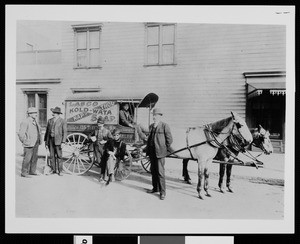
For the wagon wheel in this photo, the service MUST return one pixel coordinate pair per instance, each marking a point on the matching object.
(145, 161)
(77, 156)
(123, 169)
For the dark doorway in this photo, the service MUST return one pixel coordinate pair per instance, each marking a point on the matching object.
(268, 111)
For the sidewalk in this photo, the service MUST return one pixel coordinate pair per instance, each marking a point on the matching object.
(273, 167)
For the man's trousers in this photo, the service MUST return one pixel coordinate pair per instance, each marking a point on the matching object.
(30, 159)
(55, 156)
(222, 173)
(158, 173)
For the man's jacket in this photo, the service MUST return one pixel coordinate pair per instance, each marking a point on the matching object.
(162, 139)
(29, 133)
(60, 131)
(125, 118)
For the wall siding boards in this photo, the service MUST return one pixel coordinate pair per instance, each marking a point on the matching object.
(204, 85)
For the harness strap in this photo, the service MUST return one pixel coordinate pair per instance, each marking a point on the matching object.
(211, 138)
(187, 143)
(182, 149)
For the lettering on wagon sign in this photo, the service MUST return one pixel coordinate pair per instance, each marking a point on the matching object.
(87, 112)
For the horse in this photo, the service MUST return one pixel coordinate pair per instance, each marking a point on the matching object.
(203, 142)
(260, 140)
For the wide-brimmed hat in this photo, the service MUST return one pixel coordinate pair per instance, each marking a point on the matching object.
(157, 111)
(116, 131)
(56, 110)
(32, 110)
(100, 120)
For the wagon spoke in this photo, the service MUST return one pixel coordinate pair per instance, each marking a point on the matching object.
(74, 165)
(85, 161)
(68, 159)
(77, 148)
(70, 163)
(146, 164)
(80, 160)
(84, 139)
(78, 165)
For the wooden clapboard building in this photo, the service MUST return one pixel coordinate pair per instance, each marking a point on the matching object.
(200, 72)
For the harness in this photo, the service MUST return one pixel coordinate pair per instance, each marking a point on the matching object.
(187, 142)
(236, 145)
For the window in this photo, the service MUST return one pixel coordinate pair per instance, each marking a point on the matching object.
(87, 46)
(38, 100)
(160, 44)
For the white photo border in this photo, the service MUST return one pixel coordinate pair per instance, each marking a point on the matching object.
(283, 15)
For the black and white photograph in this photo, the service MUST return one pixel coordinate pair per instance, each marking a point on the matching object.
(150, 119)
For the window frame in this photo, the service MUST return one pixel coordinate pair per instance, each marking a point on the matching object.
(87, 29)
(160, 44)
(36, 93)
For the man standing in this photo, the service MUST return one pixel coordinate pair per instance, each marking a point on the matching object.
(158, 146)
(56, 134)
(30, 136)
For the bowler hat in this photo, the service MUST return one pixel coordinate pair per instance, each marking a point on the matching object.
(157, 111)
(32, 110)
(116, 131)
(56, 110)
(100, 120)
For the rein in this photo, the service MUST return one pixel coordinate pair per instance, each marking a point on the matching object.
(233, 141)
(188, 147)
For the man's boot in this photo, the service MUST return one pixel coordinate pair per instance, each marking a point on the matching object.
(109, 179)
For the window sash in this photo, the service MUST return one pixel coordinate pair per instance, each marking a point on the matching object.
(90, 55)
(166, 45)
(38, 100)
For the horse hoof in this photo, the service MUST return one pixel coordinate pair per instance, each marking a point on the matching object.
(200, 196)
(207, 194)
(222, 190)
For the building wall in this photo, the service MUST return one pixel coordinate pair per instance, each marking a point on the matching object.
(204, 86)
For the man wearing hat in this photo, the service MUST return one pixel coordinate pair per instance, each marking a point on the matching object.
(158, 146)
(126, 119)
(30, 136)
(56, 134)
(115, 151)
(99, 137)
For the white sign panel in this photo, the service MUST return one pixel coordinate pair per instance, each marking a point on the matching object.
(87, 112)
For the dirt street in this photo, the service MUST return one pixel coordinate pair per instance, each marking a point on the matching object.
(255, 196)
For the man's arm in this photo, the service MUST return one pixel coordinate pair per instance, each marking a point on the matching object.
(23, 128)
(123, 118)
(64, 136)
(168, 135)
(46, 134)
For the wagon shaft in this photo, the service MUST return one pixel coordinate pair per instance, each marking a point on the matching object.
(249, 164)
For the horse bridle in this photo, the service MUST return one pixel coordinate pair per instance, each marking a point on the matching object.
(237, 140)
(260, 138)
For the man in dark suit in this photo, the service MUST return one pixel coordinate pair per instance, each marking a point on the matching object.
(56, 134)
(30, 136)
(158, 146)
